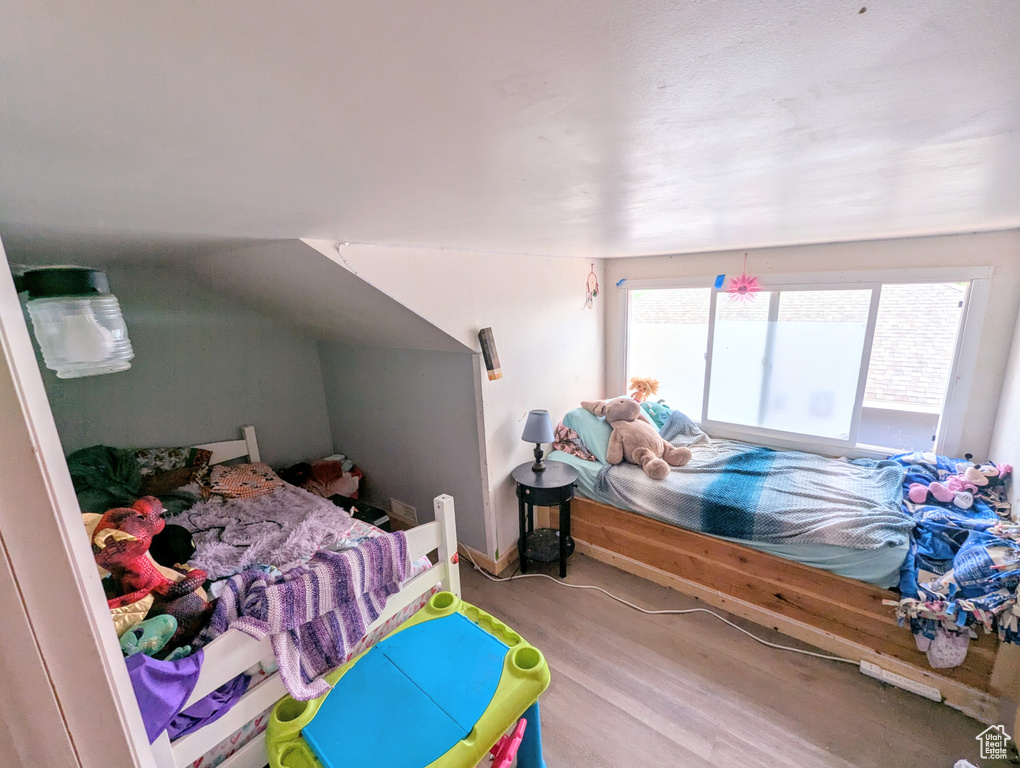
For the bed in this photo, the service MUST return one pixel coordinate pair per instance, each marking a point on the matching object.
(236, 739)
(879, 566)
(832, 597)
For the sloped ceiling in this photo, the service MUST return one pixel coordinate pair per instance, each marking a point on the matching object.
(283, 279)
(292, 281)
(573, 127)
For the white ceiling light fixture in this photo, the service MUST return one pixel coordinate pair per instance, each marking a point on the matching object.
(77, 321)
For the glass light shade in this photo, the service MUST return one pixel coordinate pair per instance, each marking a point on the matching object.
(77, 322)
(538, 428)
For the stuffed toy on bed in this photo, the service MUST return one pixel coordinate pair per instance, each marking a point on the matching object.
(643, 388)
(120, 544)
(635, 439)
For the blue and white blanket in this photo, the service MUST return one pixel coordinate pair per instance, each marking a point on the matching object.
(743, 491)
(963, 565)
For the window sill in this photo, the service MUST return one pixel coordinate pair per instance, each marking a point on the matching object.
(820, 446)
(878, 405)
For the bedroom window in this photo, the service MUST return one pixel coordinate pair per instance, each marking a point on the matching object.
(917, 329)
(668, 340)
(790, 361)
(862, 364)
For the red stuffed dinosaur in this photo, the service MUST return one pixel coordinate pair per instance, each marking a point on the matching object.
(120, 544)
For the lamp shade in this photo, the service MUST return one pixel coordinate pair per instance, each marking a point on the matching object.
(538, 428)
(77, 321)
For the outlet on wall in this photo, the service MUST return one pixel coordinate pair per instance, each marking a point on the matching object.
(405, 513)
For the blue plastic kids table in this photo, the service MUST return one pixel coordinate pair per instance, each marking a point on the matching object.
(437, 692)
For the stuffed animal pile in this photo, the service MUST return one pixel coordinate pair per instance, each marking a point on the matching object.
(138, 587)
(959, 489)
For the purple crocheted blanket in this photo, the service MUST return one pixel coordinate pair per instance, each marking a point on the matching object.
(317, 612)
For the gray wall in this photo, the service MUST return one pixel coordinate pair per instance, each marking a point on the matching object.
(409, 420)
(203, 367)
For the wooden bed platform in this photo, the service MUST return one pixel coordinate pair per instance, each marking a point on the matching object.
(839, 615)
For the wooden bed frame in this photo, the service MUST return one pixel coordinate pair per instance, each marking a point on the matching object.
(234, 652)
(837, 614)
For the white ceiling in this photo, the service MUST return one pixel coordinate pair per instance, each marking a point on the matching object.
(567, 127)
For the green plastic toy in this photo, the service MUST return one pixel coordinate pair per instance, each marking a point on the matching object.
(149, 636)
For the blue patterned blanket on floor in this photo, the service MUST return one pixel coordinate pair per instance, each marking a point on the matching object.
(743, 491)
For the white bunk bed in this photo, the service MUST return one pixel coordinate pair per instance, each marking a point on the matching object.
(234, 652)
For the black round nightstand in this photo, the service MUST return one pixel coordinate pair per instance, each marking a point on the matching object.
(552, 487)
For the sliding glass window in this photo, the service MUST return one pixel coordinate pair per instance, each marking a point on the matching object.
(852, 364)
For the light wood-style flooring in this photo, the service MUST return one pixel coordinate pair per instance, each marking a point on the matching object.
(636, 691)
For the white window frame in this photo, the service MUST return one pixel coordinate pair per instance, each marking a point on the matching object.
(961, 372)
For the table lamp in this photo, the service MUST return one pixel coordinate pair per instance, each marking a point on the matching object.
(538, 429)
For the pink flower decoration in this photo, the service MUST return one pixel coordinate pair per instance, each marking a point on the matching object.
(743, 288)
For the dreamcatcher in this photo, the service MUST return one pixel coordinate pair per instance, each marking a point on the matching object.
(591, 288)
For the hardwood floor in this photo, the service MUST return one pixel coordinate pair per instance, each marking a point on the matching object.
(632, 690)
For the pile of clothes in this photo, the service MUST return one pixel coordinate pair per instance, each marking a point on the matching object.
(106, 477)
(334, 475)
(963, 567)
(159, 602)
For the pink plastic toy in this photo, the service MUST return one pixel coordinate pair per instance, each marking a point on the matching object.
(505, 750)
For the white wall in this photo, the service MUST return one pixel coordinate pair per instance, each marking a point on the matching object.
(32, 730)
(408, 419)
(1005, 448)
(203, 367)
(550, 347)
(1000, 250)
(58, 585)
